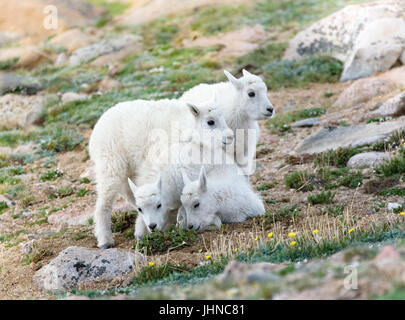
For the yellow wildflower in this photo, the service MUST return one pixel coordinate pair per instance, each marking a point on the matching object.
(207, 257)
(315, 231)
(151, 264)
(351, 230)
(292, 234)
(236, 249)
(270, 235)
(402, 213)
(256, 238)
(293, 243)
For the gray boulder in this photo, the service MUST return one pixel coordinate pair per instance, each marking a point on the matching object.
(334, 137)
(393, 107)
(76, 265)
(367, 159)
(368, 38)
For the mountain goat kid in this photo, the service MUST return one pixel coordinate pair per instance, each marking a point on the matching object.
(158, 202)
(221, 198)
(243, 101)
(129, 133)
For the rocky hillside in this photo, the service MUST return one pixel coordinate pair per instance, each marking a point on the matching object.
(330, 164)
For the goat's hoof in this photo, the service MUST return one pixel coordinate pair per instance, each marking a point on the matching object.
(106, 246)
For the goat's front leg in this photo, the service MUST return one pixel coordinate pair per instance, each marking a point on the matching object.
(182, 218)
(140, 228)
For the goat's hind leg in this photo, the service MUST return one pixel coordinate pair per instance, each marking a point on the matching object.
(107, 190)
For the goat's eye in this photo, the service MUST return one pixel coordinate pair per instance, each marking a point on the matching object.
(251, 94)
(139, 209)
(211, 122)
(196, 205)
(159, 205)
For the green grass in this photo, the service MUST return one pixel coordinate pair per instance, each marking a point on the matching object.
(212, 20)
(394, 141)
(392, 167)
(398, 293)
(3, 206)
(337, 158)
(285, 213)
(283, 120)
(254, 60)
(321, 198)
(82, 192)
(335, 211)
(61, 193)
(51, 175)
(283, 14)
(159, 241)
(123, 221)
(295, 74)
(352, 180)
(153, 273)
(112, 7)
(299, 180)
(392, 192)
(266, 186)
(8, 64)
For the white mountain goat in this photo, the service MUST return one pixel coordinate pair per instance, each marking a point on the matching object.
(158, 202)
(128, 133)
(220, 198)
(243, 101)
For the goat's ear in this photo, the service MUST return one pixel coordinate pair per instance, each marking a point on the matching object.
(236, 83)
(193, 109)
(132, 185)
(203, 179)
(159, 182)
(186, 179)
(246, 73)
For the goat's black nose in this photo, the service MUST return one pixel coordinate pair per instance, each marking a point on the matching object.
(270, 109)
(152, 226)
(190, 226)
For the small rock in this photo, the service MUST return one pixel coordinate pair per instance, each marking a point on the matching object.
(102, 48)
(89, 173)
(391, 206)
(76, 265)
(367, 159)
(363, 90)
(17, 111)
(10, 82)
(393, 107)
(27, 247)
(61, 59)
(72, 96)
(310, 122)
